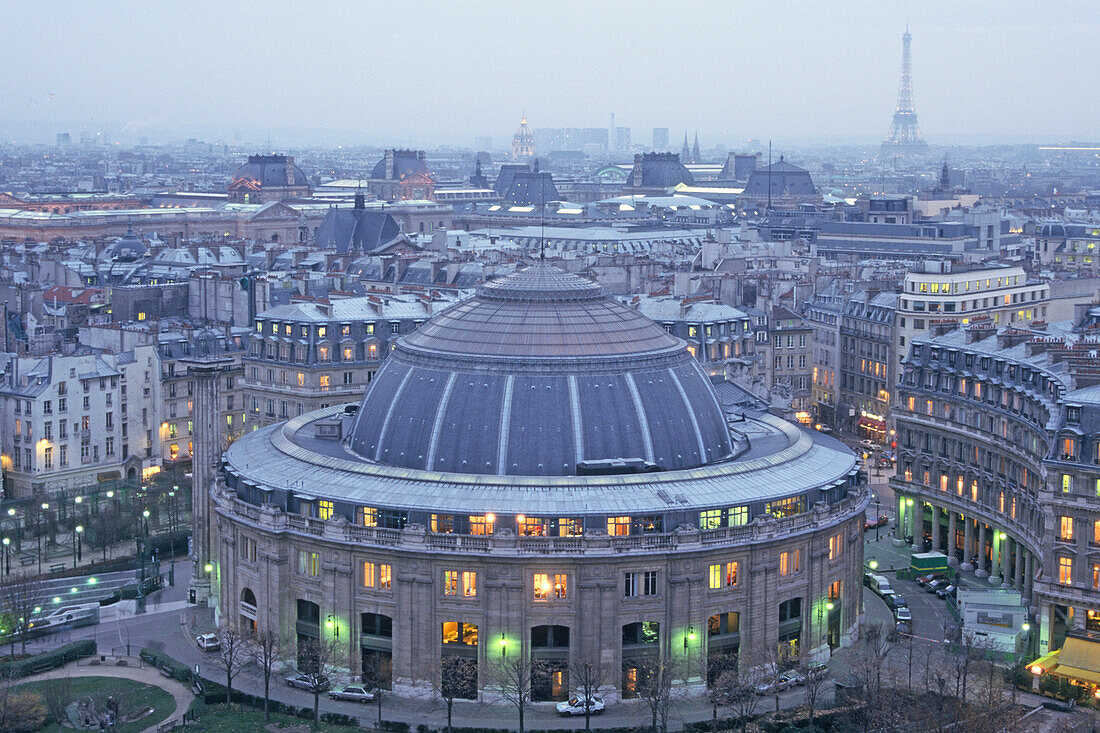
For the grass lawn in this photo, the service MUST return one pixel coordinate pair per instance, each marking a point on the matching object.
(241, 719)
(132, 695)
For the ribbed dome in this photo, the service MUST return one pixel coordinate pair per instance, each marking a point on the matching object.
(538, 371)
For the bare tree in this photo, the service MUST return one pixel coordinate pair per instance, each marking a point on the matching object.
(741, 695)
(22, 595)
(588, 674)
(457, 681)
(269, 650)
(376, 678)
(320, 659)
(655, 686)
(232, 656)
(815, 689)
(962, 662)
(719, 679)
(57, 694)
(877, 643)
(512, 677)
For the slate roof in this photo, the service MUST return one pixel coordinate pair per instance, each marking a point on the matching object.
(356, 230)
(786, 180)
(661, 170)
(269, 171)
(531, 189)
(537, 372)
(405, 163)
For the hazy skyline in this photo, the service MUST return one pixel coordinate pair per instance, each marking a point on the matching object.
(427, 73)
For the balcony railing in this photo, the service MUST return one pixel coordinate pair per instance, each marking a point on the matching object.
(339, 529)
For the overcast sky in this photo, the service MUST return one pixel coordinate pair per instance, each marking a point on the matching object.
(425, 73)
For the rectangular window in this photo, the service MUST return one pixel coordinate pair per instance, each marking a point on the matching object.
(482, 524)
(738, 516)
(836, 544)
(710, 519)
(450, 582)
(368, 574)
(789, 562)
(618, 526)
(548, 586)
(385, 577)
(630, 585)
(366, 516)
(1065, 571)
(1066, 527)
(469, 584)
(309, 563)
(324, 509)
(786, 507)
(1067, 482)
(649, 583)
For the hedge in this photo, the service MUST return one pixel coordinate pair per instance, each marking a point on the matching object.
(161, 660)
(49, 660)
(214, 694)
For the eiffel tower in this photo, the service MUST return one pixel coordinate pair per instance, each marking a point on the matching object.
(905, 134)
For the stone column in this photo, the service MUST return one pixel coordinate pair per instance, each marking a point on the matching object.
(918, 525)
(1019, 569)
(1029, 580)
(981, 572)
(900, 519)
(996, 557)
(935, 527)
(952, 543)
(968, 544)
(1007, 553)
(207, 445)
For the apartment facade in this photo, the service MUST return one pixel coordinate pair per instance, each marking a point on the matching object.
(77, 420)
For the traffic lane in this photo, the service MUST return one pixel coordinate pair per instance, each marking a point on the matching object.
(929, 611)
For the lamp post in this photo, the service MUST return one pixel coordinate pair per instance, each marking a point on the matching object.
(38, 532)
(331, 625)
(503, 646)
(7, 555)
(878, 513)
(145, 520)
(79, 542)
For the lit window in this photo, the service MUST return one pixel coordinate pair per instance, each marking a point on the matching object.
(324, 509)
(835, 546)
(1066, 526)
(326, 380)
(710, 519)
(1065, 571)
(368, 574)
(349, 353)
(366, 516)
(542, 586)
(469, 584)
(550, 586)
(738, 516)
(385, 577)
(450, 582)
(482, 524)
(789, 562)
(834, 590)
(301, 379)
(618, 526)
(1066, 483)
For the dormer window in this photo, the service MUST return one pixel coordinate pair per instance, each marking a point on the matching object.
(1073, 415)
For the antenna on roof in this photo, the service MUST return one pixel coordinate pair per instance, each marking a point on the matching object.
(542, 233)
(769, 176)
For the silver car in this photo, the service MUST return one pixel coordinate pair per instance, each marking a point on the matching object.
(352, 693)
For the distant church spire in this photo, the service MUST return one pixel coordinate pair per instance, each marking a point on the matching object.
(695, 155)
(685, 153)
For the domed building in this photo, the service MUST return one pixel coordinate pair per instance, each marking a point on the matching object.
(541, 471)
(402, 175)
(267, 178)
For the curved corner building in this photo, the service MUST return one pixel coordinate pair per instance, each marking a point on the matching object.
(540, 470)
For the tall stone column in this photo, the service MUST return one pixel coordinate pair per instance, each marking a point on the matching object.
(935, 527)
(952, 542)
(996, 557)
(206, 451)
(1019, 569)
(918, 525)
(1029, 580)
(901, 518)
(968, 544)
(981, 572)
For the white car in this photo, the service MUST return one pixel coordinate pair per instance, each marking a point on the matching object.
(575, 706)
(903, 614)
(208, 642)
(353, 693)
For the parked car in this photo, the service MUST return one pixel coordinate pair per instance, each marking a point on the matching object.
(769, 686)
(817, 670)
(935, 585)
(867, 445)
(903, 615)
(308, 682)
(895, 602)
(792, 678)
(924, 580)
(575, 706)
(208, 642)
(352, 693)
(947, 590)
(875, 523)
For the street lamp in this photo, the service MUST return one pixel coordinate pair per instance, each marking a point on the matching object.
(873, 564)
(689, 636)
(79, 542)
(503, 645)
(145, 519)
(7, 555)
(331, 625)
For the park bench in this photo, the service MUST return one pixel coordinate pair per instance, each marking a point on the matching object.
(57, 567)
(26, 559)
